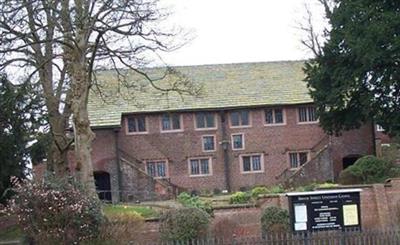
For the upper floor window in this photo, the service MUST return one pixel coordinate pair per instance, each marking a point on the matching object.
(274, 116)
(200, 166)
(237, 141)
(157, 169)
(252, 163)
(307, 114)
(171, 122)
(298, 158)
(136, 124)
(205, 120)
(379, 128)
(240, 118)
(208, 143)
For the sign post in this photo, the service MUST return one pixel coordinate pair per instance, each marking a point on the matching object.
(325, 210)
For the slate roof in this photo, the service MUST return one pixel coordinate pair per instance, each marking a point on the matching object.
(223, 86)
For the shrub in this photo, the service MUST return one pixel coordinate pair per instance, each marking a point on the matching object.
(120, 228)
(184, 224)
(274, 219)
(239, 197)
(367, 170)
(217, 191)
(276, 189)
(57, 211)
(194, 202)
(256, 191)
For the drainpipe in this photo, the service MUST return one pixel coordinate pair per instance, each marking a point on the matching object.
(118, 161)
(225, 146)
(373, 138)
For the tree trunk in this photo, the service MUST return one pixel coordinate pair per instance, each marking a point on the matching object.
(83, 134)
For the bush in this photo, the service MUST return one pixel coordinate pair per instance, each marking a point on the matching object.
(120, 228)
(184, 224)
(274, 219)
(57, 211)
(368, 170)
(256, 191)
(239, 197)
(194, 202)
(276, 189)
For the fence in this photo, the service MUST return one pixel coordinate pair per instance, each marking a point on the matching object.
(365, 237)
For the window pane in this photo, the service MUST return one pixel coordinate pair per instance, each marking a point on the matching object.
(302, 114)
(200, 120)
(235, 118)
(256, 163)
(194, 167)
(303, 157)
(165, 122)
(278, 116)
(237, 141)
(161, 169)
(293, 160)
(246, 164)
(311, 114)
(204, 166)
(131, 124)
(245, 117)
(151, 169)
(208, 143)
(269, 117)
(141, 121)
(176, 121)
(210, 120)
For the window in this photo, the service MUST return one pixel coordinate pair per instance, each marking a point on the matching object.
(237, 141)
(240, 118)
(171, 122)
(274, 116)
(379, 128)
(156, 169)
(208, 143)
(298, 158)
(136, 124)
(252, 163)
(307, 114)
(199, 166)
(205, 120)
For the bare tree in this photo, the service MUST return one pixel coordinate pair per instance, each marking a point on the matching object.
(60, 43)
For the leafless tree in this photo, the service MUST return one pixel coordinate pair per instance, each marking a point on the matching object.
(60, 44)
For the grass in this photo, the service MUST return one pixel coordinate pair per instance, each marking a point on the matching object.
(145, 212)
(11, 233)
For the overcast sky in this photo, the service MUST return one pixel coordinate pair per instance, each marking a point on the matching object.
(232, 31)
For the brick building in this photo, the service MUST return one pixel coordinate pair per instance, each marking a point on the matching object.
(252, 124)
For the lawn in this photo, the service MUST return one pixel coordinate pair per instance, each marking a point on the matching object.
(146, 212)
(11, 233)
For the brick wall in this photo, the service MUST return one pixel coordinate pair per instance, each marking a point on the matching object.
(379, 210)
(273, 142)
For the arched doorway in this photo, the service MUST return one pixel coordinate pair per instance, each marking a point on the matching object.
(103, 185)
(349, 160)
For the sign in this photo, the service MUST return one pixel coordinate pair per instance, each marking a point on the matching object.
(325, 210)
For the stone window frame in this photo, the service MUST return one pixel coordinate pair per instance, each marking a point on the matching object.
(240, 126)
(307, 115)
(215, 142)
(206, 128)
(158, 160)
(127, 132)
(262, 163)
(243, 142)
(298, 157)
(273, 111)
(170, 119)
(210, 169)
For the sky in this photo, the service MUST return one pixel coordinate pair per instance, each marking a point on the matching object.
(233, 31)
